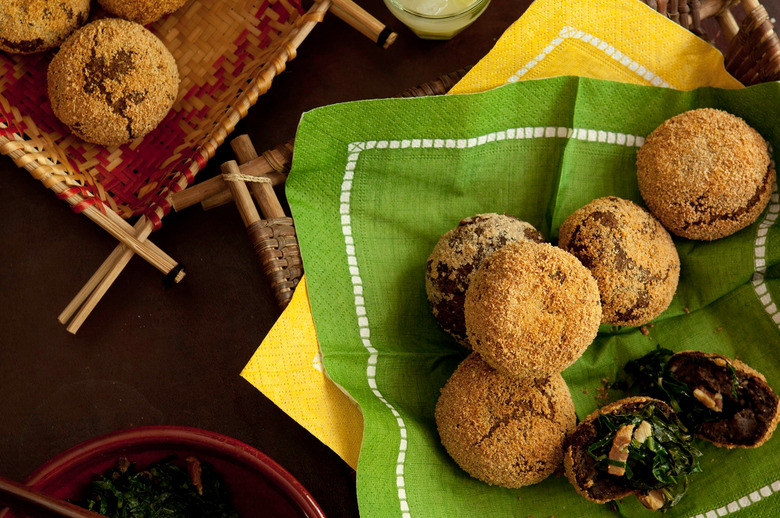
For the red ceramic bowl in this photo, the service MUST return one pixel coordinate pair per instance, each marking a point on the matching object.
(258, 485)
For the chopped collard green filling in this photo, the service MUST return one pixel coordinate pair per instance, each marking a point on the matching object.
(650, 375)
(162, 490)
(660, 460)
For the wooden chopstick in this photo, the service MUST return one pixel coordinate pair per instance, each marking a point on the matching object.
(21, 497)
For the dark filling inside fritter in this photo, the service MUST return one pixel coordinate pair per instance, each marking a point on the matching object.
(740, 406)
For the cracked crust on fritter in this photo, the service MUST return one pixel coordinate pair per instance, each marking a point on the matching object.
(501, 430)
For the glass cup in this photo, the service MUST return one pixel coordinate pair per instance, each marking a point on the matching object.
(437, 19)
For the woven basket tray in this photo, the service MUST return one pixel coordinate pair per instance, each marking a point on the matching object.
(227, 53)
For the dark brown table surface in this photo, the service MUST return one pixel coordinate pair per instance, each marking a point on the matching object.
(155, 355)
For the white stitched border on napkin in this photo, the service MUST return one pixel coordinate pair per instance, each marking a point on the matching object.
(759, 257)
(599, 44)
(364, 326)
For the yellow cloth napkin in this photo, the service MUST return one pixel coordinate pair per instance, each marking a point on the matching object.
(620, 40)
(287, 368)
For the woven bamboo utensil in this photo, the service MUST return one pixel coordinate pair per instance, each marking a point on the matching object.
(273, 238)
(228, 53)
(272, 234)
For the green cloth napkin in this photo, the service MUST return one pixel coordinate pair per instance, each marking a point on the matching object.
(374, 184)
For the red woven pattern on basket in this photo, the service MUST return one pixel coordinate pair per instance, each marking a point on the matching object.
(219, 47)
(24, 88)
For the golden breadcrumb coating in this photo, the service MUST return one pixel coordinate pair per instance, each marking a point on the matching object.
(705, 174)
(630, 254)
(532, 309)
(112, 81)
(457, 256)
(502, 430)
(141, 11)
(28, 26)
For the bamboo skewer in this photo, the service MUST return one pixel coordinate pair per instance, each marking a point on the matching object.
(361, 20)
(273, 164)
